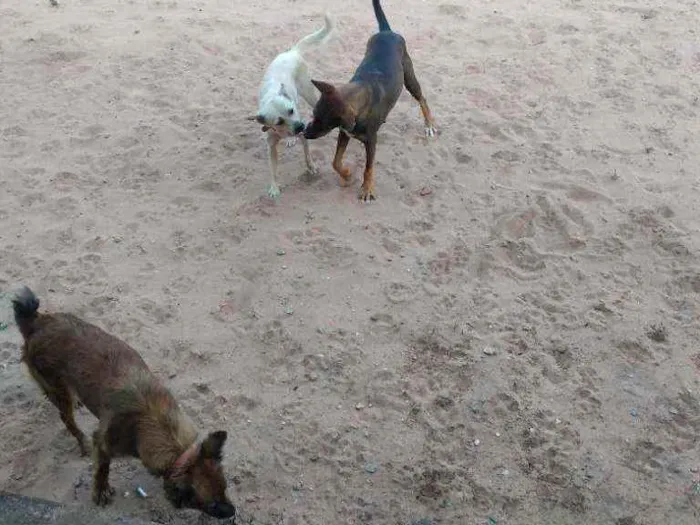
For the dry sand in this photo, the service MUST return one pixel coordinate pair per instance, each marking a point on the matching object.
(509, 332)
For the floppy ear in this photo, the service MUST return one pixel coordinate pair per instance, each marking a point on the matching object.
(324, 87)
(257, 118)
(283, 91)
(212, 446)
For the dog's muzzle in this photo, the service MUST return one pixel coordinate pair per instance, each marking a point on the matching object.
(299, 127)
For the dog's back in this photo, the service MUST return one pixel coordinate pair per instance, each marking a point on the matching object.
(82, 357)
(138, 416)
(382, 66)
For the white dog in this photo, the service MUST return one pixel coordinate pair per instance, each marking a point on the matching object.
(286, 79)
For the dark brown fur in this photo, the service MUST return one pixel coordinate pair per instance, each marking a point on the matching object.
(361, 106)
(71, 359)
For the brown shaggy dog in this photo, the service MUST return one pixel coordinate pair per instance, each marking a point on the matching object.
(139, 417)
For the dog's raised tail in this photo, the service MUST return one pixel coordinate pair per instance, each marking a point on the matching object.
(316, 37)
(25, 305)
(381, 17)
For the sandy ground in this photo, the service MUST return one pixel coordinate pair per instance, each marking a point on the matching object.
(508, 335)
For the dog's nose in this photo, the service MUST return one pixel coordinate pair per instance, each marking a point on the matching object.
(298, 127)
(221, 510)
(308, 131)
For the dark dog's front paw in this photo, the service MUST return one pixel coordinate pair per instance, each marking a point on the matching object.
(103, 496)
(345, 176)
(367, 193)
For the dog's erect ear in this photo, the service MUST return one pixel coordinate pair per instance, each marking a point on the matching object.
(257, 118)
(212, 446)
(324, 87)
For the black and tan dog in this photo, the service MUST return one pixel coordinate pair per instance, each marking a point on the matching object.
(72, 360)
(361, 106)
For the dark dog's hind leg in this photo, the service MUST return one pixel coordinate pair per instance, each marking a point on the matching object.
(413, 87)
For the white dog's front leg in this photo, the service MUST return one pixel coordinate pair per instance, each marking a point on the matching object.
(313, 170)
(272, 140)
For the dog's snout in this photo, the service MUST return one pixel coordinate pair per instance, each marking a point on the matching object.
(221, 510)
(299, 127)
(308, 130)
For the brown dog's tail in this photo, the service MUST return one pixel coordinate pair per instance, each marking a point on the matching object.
(25, 305)
(381, 17)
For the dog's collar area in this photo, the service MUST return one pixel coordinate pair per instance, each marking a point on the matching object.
(181, 462)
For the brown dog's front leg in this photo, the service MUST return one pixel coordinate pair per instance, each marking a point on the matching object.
(345, 175)
(367, 189)
(102, 493)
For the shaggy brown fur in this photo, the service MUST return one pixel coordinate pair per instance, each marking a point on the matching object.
(70, 358)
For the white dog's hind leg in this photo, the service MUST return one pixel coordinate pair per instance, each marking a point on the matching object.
(272, 140)
(313, 170)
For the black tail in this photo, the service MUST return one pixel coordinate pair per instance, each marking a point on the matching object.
(381, 17)
(25, 305)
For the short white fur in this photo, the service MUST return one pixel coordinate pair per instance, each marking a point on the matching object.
(285, 82)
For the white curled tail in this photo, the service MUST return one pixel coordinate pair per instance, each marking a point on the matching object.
(316, 37)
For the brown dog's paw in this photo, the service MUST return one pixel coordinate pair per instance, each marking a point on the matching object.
(430, 131)
(104, 496)
(367, 193)
(345, 176)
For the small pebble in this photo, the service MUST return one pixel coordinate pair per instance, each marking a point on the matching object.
(498, 434)
(141, 492)
(359, 406)
(289, 310)
(489, 351)
(371, 467)
(633, 412)
(477, 442)
(673, 411)
(281, 252)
